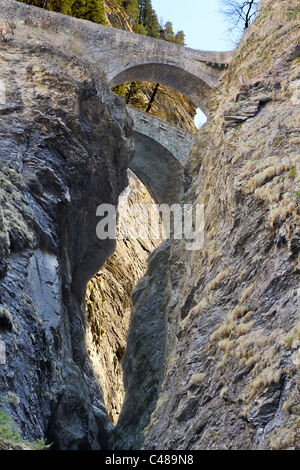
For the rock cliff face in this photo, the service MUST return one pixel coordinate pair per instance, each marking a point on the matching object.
(212, 355)
(53, 97)
(230, 373)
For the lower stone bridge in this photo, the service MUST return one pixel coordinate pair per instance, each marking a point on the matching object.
(161, 151)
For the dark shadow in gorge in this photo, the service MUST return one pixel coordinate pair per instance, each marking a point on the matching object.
(144, 356)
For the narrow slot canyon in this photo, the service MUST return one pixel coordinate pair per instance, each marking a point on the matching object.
(109, 297)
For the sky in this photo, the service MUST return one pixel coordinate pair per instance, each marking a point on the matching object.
(202, 23)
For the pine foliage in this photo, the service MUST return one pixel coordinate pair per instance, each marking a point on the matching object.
(92, 10)
(144, 20)
(141, 14)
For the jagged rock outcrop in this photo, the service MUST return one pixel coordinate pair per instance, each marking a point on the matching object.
(65, 147)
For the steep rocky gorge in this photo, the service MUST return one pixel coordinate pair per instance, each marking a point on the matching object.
(108, 298)
(212, 354)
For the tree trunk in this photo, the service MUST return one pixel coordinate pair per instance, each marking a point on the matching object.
(152, 98)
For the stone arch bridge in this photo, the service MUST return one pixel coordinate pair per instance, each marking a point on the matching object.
(122, 57)
(161, 151)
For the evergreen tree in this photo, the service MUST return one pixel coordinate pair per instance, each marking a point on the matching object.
(161, 30)
(134, 96)
(36, 3)
(148, 18)
(169, 33)
(166, 33)
(61, 6)
(92, 10)
(142, 11)
(153, 28)
(132, 10)
(139, 29)
(180, 38)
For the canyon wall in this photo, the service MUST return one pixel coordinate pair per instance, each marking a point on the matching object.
(109, 295)
(229, 371)
(65, 147)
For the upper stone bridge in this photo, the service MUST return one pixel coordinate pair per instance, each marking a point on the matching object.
(126, 56)
(140, 58)
(117, 57)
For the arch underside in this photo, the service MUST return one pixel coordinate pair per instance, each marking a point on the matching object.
(158, 170)
(191, 86)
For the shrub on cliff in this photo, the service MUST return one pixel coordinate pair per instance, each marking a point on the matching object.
(10, 437)
(6, 321)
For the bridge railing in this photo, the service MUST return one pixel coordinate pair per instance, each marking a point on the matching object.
(164, 124)
(177, 141)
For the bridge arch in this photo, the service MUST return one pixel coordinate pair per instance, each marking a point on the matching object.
(125, 56)
(158, 169)
(191, 86)
(116, 56)
(161, 151)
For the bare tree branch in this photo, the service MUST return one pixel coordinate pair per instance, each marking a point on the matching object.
(238, 14)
